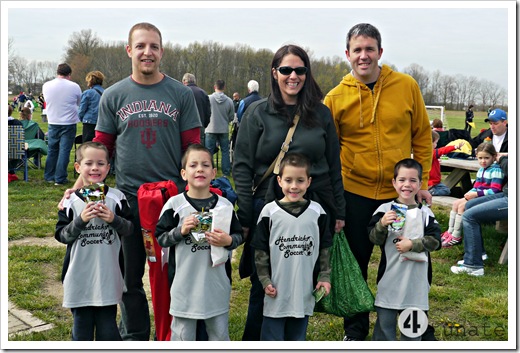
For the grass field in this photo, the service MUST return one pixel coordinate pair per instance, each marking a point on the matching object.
(462, 308)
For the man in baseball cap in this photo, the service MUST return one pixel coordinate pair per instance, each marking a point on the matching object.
(496, 115)
(497, 131)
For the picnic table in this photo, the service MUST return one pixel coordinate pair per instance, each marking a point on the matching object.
(460, 172)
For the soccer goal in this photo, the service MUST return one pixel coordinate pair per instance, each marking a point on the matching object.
(437, 112)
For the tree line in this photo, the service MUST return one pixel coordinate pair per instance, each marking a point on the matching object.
(236, 65)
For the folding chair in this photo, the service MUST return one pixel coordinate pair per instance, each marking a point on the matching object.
(17, 148)
(78, 140)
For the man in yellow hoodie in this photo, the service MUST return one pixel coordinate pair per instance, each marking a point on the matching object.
(380, 118)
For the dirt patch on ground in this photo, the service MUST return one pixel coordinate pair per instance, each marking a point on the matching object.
(47, 241)
(52, 286)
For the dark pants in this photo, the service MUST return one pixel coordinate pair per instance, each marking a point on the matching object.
(359, 211)
(284, 328)
(135, 315)
(88, 132)
(255, 310)
(102, 319)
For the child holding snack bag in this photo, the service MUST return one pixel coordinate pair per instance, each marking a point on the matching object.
(407, 232)
(291, 237)
(200, 226)
(93, 219)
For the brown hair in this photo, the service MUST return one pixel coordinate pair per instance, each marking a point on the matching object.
(295, 160)
(487, 148)
(146, 26)
(94, 78)
(192, 148)
(435, 136)
(437, 123)
(25, 113)
(91, 144)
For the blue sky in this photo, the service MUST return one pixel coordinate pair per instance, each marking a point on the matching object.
(468, 38)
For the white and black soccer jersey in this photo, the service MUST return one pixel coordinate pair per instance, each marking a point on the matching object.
(293, 243)
(198, 291)
(92, 272)
(401, 282)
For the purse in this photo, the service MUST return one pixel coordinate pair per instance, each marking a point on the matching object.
(349, 293)
(275, 166)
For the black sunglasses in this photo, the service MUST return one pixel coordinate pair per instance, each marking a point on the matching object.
(287, 70)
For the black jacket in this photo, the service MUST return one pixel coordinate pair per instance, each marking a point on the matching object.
(477, 140)
(203, 105)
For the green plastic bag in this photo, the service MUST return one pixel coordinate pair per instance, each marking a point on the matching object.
(349, 294)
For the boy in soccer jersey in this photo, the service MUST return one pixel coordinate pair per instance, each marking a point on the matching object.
(406, 231)
(291, 236)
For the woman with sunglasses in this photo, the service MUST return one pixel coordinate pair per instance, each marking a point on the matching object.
(262, 132)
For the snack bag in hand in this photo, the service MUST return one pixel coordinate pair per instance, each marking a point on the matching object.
(94, 192)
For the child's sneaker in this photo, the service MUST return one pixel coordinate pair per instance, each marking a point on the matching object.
(445, 235)
(450, 240)
(465, 269)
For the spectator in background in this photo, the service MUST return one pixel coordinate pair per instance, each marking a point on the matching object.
(41, 101)
(380, 118)
(485, 209)
(202, 100)
(222, 114)
(29, 104)
(236, 101)
(469, 119)
(497, 131)
(437, 125)
(12, 121)
(88, 108)
(63, 97)
(252, 89)
(22, 98)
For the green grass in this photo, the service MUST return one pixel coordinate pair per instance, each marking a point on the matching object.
(474, 304)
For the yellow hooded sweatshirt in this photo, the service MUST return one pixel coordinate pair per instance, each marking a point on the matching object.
(377, 129)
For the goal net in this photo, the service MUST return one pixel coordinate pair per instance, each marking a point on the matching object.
(437, 112)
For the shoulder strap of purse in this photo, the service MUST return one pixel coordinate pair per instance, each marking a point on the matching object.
(275, 166)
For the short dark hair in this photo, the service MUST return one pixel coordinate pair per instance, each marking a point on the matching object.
(298, 160)
(91, 144)
(408, 163)
(365, 30)
(192, 148)
(221, 84)
(64, 69)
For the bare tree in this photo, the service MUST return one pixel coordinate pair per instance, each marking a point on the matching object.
(419, 74)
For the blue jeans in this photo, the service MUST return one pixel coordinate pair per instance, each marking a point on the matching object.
(439, 190)
(489, 208)
(60, 138)
(223, 141)
(284, 328)
(135, 315)
(101, 319)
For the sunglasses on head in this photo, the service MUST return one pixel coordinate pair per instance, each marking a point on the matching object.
(287, 70)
